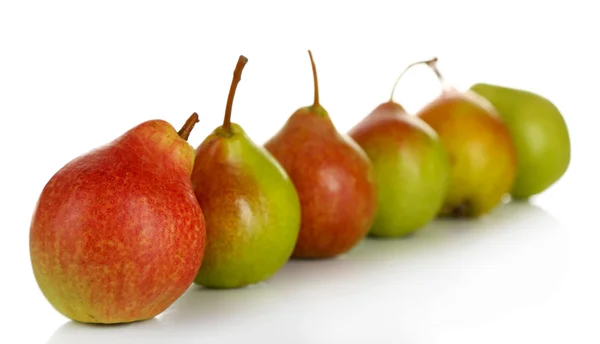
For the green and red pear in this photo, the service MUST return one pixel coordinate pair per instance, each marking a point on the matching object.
(251, 207)
(411, 165)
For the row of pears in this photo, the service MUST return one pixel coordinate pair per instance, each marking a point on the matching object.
(120, 233)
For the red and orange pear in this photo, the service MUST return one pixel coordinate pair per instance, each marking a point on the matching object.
(482, 154)
(117, 234)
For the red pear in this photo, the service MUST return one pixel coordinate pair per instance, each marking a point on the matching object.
(117, 234)
(334, 179)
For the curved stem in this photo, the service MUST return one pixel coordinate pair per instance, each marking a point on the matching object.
(427, 62)
(185, 131)
(315, 80)
(237, 76)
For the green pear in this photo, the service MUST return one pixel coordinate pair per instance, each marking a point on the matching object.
(540, 135)
(251, 206)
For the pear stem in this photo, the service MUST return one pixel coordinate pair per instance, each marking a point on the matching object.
(237, 76)
(427, 62)
(433, 65)
(315, 79)
(185, 131)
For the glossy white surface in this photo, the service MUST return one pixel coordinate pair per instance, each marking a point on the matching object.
(511, 277)
(75, 75)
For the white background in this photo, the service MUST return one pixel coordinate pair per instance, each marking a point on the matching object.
(75, 75)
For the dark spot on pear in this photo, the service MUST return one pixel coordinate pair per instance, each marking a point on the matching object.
(463, 209)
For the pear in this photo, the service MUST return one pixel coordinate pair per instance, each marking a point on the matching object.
(251, 207)
(333, 176)
(411, 165)
(539, 132)
(117, 234)
(482, 154)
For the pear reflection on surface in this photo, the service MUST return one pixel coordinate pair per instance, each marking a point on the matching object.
(450, 273)
(148, 331)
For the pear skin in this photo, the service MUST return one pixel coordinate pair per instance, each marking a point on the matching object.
(540, 134)
(251, 207)
(482, 155)
(117, 234)
(333, 176)
(411, 165)
(481, 152)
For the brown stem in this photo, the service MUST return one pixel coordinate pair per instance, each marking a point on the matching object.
(185, 131)
(237, 76)
(315, 80)
(433, 65)
(427, 62)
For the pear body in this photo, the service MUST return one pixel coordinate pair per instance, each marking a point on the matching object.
(251, 208)
(539, 132)
(334, 179)
(481, 152)
(411, 165)
(117, 234)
